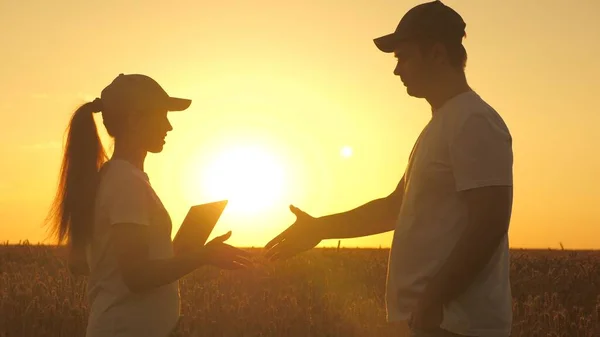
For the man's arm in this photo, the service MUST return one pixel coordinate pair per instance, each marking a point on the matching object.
(481, 159)
(375, 217)
(489, 217)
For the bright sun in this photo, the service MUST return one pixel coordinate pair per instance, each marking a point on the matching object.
(249, 177)
(346, 152)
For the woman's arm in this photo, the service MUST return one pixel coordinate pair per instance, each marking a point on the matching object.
(141, 274)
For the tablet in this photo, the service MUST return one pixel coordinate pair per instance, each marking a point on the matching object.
(197, 226)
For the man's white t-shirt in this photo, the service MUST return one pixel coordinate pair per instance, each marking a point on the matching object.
(125, 195)
(465, 145)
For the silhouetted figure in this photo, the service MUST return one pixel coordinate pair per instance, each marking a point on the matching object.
(449, 262)
(116, 228)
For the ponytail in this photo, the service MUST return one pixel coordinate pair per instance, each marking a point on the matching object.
(73, 208)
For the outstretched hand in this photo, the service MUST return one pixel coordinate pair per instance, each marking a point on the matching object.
(221, 255)
(302, 235)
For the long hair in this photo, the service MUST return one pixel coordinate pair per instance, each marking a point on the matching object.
(72, 211)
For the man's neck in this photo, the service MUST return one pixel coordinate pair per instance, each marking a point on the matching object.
(447, 89)
(130, 154)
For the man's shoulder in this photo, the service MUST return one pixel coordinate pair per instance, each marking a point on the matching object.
(473, 106)
(470, 103)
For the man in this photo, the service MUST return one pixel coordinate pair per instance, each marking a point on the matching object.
(448, 272)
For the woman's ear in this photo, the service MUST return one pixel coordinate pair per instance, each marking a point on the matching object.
(132, 120)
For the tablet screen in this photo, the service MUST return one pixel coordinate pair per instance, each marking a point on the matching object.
(197, 226)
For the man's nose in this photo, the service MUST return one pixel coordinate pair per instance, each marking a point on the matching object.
(397, 70)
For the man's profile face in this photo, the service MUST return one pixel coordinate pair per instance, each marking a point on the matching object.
(415, 68)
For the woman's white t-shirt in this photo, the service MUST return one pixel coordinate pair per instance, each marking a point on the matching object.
(125, 195)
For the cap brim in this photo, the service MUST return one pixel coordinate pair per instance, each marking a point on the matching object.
(387, 43)
(178, 104)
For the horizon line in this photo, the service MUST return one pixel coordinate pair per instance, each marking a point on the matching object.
(6, 243)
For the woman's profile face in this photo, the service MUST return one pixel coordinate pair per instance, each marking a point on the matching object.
(149, 129)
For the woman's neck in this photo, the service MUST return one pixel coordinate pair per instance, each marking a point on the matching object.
(131, 154)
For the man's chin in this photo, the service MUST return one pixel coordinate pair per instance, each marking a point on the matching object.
(414, 93)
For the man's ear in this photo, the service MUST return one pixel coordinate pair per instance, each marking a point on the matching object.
(439, 53)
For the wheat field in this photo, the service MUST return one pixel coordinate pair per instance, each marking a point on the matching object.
(324, 292)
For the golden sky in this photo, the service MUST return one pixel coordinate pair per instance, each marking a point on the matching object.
(282, 87)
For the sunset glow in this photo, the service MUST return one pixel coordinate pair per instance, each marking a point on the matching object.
(293, 103)
(249, 177)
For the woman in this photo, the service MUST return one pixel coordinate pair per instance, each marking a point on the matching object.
(116, 228)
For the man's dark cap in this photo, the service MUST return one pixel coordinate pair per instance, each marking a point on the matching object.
(431, 20)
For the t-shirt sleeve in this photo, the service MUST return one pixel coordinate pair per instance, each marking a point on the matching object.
(481, 153)
(127, 201)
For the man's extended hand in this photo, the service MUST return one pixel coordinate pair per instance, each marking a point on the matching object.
(302, 235)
